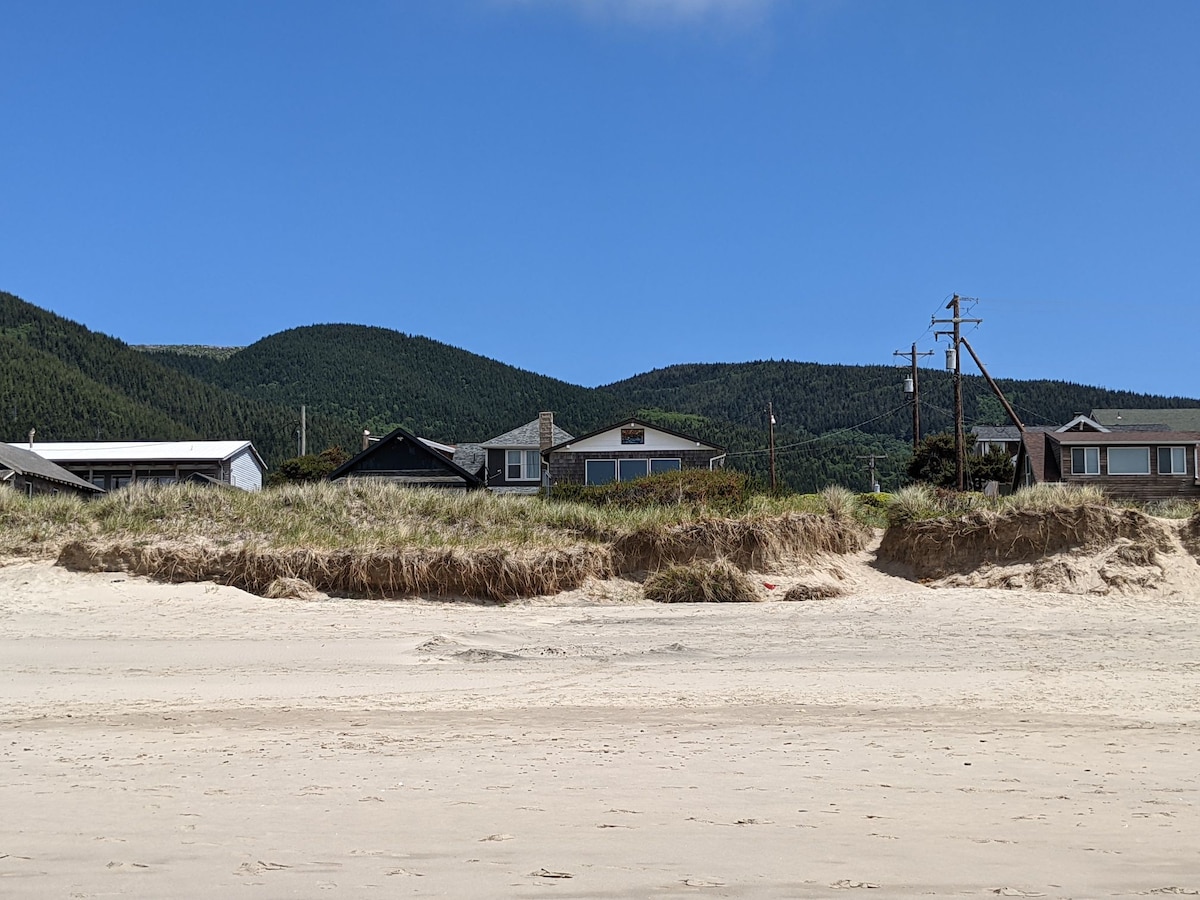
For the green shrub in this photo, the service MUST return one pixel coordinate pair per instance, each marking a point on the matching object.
(722, 490)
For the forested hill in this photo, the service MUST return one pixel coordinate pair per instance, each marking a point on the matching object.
(821, 398)
(71, 383)
(381, 378)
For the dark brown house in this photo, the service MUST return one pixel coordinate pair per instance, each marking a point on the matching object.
(1126, 465)
(403, 458)
(627, 450)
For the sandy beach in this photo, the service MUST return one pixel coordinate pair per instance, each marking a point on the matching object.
(196, 741)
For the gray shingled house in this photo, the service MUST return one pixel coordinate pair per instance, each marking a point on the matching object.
(26, 471)
(513, 461)
(627, 450)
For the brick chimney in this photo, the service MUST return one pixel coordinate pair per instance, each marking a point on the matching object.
(545, 430)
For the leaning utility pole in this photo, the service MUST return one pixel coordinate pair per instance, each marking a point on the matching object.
(771, 419)
(953, 356)
(916, 397)
(995, 387)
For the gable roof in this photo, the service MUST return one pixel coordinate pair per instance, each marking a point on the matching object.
(1082, 423)
(1187, 419)
(527, 436)
(454, 472)
(27, 462)
(626, 423)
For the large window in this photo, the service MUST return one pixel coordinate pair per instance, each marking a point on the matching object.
(600, 471)
(1128, 460)
(629, 469)
(1172, 460)
(523, 465)
(1085, 460)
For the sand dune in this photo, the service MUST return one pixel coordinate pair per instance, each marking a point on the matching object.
(190, 740)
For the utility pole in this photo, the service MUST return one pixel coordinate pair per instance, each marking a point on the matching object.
(916, 396)
(871, 469)
(771, 420)
(953, 356)
(303, 431)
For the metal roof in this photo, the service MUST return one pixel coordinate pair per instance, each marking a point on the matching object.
(140, 451)
(27, 462)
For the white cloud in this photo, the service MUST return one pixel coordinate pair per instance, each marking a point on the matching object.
(660, 12)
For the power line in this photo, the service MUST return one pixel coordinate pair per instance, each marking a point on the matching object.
(822, 437)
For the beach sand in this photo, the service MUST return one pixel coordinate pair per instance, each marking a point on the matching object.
(195, 741)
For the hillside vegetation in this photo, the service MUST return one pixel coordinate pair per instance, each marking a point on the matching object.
(75, 384)
(71, 383)
(379, 378)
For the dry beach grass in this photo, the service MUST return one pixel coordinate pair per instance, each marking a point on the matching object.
(379, 540)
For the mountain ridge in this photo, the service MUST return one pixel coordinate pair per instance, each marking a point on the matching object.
(72, 383)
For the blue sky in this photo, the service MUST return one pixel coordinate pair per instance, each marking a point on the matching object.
(595, 188)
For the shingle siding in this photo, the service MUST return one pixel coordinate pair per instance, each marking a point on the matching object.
(569, 467)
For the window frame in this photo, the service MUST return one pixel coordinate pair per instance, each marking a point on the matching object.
(1173, 472)
(1084, 451)
(661, 459)
(645, 464)
(1120, 450)
(524, 458)
(587, 476)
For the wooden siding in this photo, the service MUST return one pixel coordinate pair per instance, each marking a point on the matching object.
(244, 471)
(404, 461)
(568, 466)
(33, 486)
(1135, 487)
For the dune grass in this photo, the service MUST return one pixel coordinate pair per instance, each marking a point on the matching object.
(920, 502)
(355, 515)
(714, 582)
(376, 538)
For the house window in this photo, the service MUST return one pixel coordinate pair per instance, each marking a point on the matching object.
(600, 471)
(523, 465)
(1086, 460)
(629, 469)
(1128, 460)
(663, 465)
(1172, 461)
